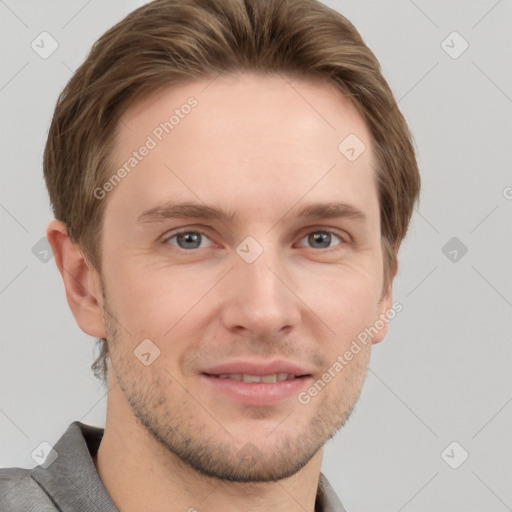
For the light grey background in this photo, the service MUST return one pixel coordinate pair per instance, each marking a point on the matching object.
(443, 374)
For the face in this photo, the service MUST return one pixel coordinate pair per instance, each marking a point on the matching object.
(241, 258)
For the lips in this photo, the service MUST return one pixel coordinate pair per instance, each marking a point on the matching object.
(257, 369)
(244, 377)
(258, 384)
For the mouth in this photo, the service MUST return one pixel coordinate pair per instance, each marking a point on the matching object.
(262, 384)
(267, 379)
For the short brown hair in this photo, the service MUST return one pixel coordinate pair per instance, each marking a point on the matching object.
(167, 42)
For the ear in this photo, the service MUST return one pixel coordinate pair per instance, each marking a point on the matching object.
(384, 306)
(82, 283)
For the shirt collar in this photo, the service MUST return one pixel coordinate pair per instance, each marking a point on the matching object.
(71, 480)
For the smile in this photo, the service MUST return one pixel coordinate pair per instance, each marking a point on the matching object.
(244, 377)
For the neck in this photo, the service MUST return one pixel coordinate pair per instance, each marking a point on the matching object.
(139, 473)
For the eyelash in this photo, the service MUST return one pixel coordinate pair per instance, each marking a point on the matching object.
(341, 239)
(202, 233)
(184, 231)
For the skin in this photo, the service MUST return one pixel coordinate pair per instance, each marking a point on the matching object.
(262, 147)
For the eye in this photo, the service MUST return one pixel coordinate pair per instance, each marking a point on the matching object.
(189, 240)
(321, 240)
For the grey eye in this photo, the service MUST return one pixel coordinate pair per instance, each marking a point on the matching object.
(189, 240)
(321, 240)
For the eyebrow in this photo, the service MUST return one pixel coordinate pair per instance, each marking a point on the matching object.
(331, 210)
(202, 211)
(184, 210)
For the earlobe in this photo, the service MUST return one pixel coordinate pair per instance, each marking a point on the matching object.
(81, 281)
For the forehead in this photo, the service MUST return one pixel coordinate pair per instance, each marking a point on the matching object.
(246, 139)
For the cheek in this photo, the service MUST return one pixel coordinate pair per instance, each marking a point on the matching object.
(150, 301)
(345, 297)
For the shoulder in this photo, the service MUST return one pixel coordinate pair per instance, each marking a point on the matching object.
(19, 492)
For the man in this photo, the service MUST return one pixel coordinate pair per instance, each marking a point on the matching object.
(231, 183)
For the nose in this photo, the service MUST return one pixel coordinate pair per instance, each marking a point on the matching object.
(259, 297)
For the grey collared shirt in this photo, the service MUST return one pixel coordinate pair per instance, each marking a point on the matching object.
(71, 482)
